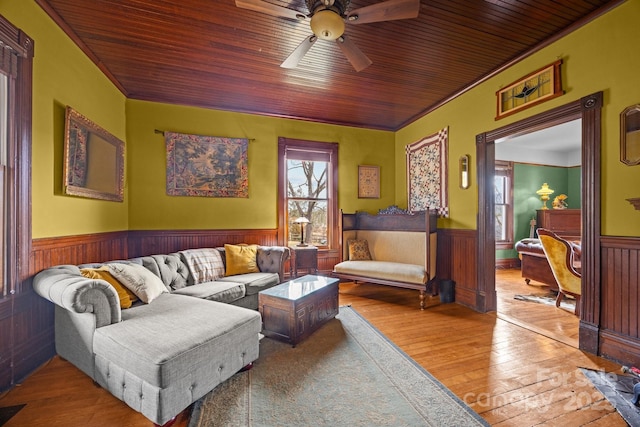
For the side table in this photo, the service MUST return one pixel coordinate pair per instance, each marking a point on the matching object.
(303, 258)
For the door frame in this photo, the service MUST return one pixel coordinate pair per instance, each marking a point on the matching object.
(589, 110)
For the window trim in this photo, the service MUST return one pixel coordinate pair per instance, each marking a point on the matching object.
(16, 60)
(285, 144)
(507, 167)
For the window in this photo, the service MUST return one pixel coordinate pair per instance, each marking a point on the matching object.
(307, 177)
(4, 115)
(503, 189)
(16, 61)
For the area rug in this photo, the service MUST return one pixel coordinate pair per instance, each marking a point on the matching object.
(346, 374)
(618, 390)
(548, 299)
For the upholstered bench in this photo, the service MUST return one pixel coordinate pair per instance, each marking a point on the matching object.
(396, 249)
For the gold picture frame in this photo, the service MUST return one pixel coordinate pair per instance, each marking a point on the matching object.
(541, 85)
(630, 135)
(93, 160)
(368, 182)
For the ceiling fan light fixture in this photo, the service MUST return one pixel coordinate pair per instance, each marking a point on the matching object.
(327, 25)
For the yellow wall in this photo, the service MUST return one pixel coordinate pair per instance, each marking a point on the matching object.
(63, 75)
(596, 57)
(601, 56)
(151, 208)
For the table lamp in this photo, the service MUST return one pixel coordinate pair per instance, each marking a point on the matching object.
(301, 221)
(544, 192)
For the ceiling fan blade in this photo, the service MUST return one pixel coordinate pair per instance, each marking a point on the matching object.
(358, 59)
(386, 11)
(299, 52)
(270, 9)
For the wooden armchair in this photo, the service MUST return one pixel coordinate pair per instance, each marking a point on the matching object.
(560, 255)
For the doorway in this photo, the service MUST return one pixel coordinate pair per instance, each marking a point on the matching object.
(588, 109)
(527, 297)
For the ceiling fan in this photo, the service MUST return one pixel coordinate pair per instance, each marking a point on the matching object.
(328, 18)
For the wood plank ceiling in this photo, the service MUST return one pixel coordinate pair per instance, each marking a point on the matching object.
(212, 54)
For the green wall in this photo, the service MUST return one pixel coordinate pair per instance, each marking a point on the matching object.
(596, 57)
(151, 208)
(63, 75)
(527, 179)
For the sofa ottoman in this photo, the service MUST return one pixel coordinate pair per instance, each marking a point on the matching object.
(160, 377)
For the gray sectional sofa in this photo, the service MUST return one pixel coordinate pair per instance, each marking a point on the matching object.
(160, 356)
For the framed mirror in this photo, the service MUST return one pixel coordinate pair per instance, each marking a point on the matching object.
(93, 160)
(630, 135)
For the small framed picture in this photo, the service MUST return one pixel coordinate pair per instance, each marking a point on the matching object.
(368, 182)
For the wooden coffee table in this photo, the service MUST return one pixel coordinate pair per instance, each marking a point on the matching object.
(293, 310)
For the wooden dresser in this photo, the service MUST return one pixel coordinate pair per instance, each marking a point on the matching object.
(566, 223)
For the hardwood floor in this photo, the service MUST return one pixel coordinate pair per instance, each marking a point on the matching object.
(557, 323)
(510, 375)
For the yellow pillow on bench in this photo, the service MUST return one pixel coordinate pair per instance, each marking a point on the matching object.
(359, 250)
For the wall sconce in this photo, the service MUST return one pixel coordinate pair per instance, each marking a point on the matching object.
(464, 171)
(544, 192)
(301, 221)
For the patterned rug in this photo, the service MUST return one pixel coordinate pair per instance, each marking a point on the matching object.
(617, 388)
(548, 299)
(346, 374)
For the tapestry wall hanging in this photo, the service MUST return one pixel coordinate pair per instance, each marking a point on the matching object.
(427, 174)
(206, 166)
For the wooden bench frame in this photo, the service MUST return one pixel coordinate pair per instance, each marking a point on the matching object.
(420, 221)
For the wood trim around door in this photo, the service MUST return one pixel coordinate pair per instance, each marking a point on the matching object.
(588, 109)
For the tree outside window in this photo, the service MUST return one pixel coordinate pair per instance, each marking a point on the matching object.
(307, 197)
(307, 176)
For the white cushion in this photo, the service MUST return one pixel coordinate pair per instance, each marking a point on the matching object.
(146, 285)
(397, 271)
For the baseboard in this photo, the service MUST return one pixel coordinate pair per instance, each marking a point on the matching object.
(507, 263)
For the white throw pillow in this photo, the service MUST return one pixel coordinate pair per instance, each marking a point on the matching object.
(142, 282)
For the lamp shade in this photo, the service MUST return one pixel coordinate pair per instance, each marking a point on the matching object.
(327, 24)
(301, 220)
(544, 190)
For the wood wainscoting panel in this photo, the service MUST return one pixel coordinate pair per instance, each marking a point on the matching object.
(456, 260)
(79, 249)
(26, 319)
(327, 259)
(508, 263)
(149, 242)
(33, 334)
(26, 336)
(620, 299)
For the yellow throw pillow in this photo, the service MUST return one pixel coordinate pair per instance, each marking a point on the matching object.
(125, 295)
(359, 250)
(241, 259)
